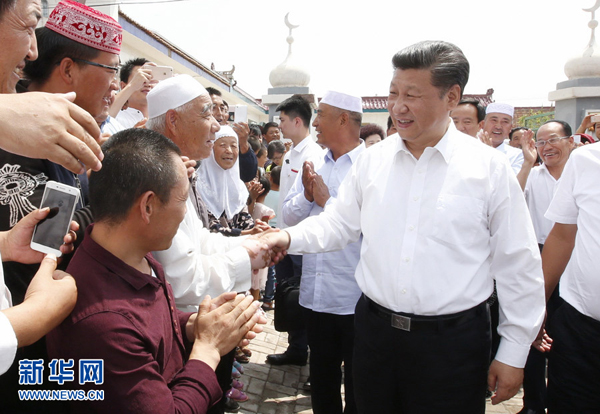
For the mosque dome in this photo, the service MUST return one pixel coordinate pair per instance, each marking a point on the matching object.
(584, 66)
(587, 65)
(289, 73)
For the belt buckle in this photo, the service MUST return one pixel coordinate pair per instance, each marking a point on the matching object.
(401, 322)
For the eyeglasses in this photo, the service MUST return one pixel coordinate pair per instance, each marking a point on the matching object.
(540, 144)
(100, 65)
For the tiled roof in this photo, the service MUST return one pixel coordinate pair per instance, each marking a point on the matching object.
(380, 102)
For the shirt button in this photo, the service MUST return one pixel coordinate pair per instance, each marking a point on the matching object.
(420, 171)
(407, 259)
(404, 291)
(411, 228)
(416, 198)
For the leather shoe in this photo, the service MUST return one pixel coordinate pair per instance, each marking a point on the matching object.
(526, 410)
(286, 359)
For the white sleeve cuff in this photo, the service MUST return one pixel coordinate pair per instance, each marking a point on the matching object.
(8, 344)
(512, 354)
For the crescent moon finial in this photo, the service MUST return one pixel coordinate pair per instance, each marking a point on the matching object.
(594, 7)
(292, 26)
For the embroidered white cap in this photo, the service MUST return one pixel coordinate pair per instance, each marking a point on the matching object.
(173, 92)
(343, 101)
(500, 108)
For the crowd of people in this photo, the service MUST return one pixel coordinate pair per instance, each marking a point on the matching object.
(426, 258)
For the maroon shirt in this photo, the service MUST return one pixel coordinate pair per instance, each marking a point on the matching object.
(129, 319)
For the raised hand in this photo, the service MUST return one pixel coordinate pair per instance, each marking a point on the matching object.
(308, 176)
(50, 126)
(320, 191)
(484, 137)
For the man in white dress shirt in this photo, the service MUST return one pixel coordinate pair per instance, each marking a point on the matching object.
(328, 289)
(295, 117)
(571, 256)
(554, 144)
(497, 126)
(439, 214)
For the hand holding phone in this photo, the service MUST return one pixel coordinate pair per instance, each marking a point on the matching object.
(49, 233)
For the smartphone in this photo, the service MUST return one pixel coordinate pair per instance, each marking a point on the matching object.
(595, 119)
(238, 113)
(161, 72)
(49, 233)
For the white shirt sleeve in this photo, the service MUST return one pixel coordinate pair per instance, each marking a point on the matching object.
(517, 272)
(563, 208)
(201, 263)
(8, 344)
(8, 339)
(337, 226)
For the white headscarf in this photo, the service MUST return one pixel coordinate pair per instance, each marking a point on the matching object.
(222, 190)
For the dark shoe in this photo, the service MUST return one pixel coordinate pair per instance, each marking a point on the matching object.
(231, 406)
(286, 359)
(268, 306)
(306, 385)
(526, 410)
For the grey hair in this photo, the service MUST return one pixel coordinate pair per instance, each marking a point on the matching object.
(159, 123)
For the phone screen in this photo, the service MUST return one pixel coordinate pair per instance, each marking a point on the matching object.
(51, 231)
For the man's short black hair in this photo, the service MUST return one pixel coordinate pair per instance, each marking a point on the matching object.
(515, 129)
(213, 91)
(135, 160)
(567, 131)
(256, 130)
(446, 62)
(254, 143)
(275, 147)
(296, 106)
(128, 66)
(478, 107)
(6, 5)
(52, 49)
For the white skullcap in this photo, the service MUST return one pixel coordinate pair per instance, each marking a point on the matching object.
(225, 131)
(343, 101)
(173, 92)
(500, 108)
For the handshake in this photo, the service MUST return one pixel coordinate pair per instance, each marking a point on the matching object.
(267, 248)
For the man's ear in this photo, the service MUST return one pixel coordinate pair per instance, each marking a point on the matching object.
(66, 70)
(171, 122)
(122, 85)
(453, 96)
(344, 118)
(147, 206)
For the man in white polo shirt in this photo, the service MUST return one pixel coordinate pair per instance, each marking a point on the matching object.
(571, 256)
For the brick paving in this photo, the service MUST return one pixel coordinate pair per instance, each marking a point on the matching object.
(278, 389)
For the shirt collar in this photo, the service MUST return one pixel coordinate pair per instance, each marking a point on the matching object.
(301, 144)
(445, 146)
(351, 154)
(130, 275)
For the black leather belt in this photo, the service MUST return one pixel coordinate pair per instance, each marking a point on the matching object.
(416, 323)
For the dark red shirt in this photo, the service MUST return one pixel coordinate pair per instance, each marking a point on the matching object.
(129, 319)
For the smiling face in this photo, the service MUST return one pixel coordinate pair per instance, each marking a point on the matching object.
(272, 134)
(226, 152)
(196, 128)
(498, 126)
(418, 112)
(94, 85)
(17, 29)
(326, 124)
(554, 155)
(465, 119)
